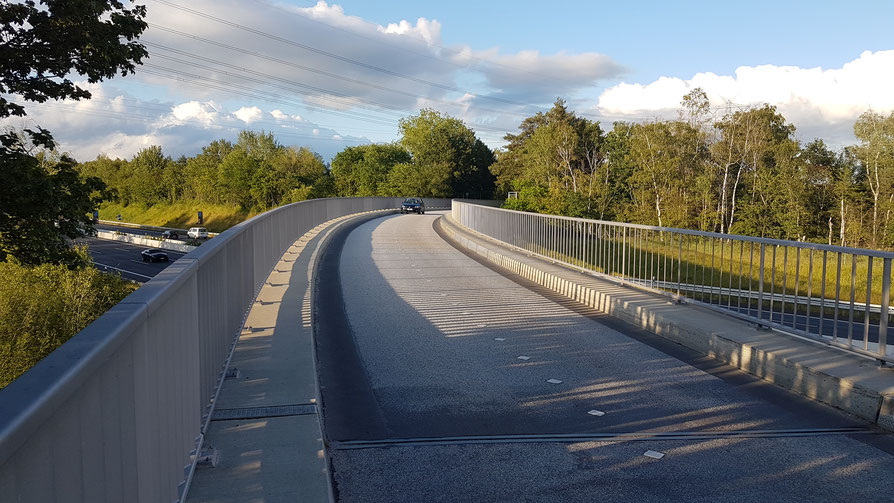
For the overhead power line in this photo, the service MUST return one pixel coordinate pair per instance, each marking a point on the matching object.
(333, 55)
(420, 39)
(313, 70)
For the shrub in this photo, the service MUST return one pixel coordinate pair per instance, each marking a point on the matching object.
(41, 307)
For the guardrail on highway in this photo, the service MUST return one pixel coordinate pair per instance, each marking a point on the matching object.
(130, 225)
(166, 244)
(118, 412)
(836, 295)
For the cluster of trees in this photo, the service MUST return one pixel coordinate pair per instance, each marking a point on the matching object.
(742, 173)
(436, 156)
(254, 173)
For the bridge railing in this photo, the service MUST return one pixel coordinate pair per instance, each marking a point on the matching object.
(836, 295)
(118, 412)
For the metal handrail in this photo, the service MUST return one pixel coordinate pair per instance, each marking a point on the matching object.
(750, 275)
(717, 235)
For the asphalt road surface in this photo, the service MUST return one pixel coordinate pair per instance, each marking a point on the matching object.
(124, 258)
(444, 380)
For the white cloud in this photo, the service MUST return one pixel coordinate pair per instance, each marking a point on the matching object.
(820, 102)
(249, 114)
(531, 76)
(430, 31)
(208, 112)
(300, 91)
(118, 124)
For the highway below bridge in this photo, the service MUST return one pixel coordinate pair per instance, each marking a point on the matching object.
(443, 379)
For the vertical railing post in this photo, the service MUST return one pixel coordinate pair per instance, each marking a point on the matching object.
(680, 264)
(760, 286)
(866, 304)
(624, 253)
(822, 312)
(883, 315)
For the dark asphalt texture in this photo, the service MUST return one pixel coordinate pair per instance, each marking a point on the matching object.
(124, 258)
(413, 357)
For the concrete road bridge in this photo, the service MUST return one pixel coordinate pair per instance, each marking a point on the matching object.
(337, 350)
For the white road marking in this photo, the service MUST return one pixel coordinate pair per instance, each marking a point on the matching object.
(500, 339)
(523, 357)
(123, 270)
(554, 381)
(595, 412)
(654, 454)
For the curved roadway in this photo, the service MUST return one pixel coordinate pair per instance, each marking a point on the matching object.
(439, 380)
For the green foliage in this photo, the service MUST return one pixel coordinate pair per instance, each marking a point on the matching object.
(252, 175)
(449, 159)
(43, 306)
(743, 172)
(562, 154)
(44, 201)
(876, 155)
(43, 205)
(42, 44)
(363, 171)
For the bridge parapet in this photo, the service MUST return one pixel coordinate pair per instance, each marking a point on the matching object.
(118, 412)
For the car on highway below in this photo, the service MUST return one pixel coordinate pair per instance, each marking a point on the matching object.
(197, 233)
(170, 235)
(413, 205)
(153, 255)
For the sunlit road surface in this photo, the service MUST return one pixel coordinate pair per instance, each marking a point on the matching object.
(121, 258)
(455, 383)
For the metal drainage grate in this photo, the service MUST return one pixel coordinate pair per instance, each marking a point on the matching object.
(262, 412)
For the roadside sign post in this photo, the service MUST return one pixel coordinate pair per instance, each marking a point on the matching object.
(201, 219)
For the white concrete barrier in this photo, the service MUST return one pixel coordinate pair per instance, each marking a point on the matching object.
(166, 244)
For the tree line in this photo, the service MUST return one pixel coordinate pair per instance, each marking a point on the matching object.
(743, 173)
(436, 156)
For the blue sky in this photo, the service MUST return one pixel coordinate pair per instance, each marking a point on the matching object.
(329, 75)
(660, 38)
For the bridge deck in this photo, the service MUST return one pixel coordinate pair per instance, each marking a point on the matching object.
(442, 386)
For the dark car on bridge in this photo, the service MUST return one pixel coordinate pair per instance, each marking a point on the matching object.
(153, 255)
(413, 205)
(170, 235)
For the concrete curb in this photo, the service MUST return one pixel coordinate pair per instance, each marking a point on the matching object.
(855, 385)
(140, 240)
